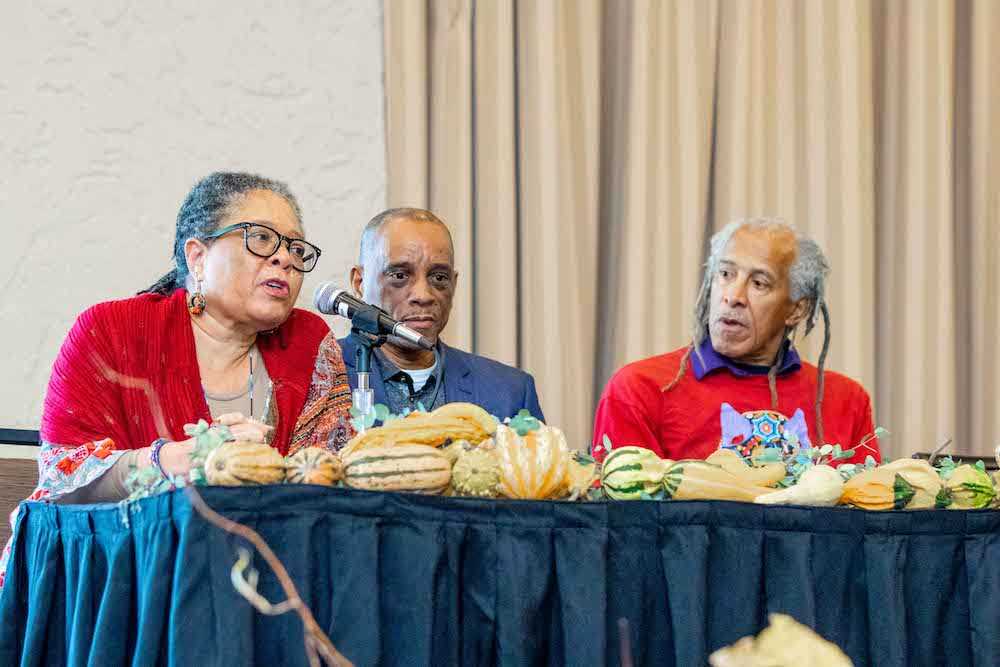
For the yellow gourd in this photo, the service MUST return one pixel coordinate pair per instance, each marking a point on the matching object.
(765, 475)
(922, 477)
(535, 466)
(414, 468)
(449, 423)
(582, 475)
(698, 480)
(877, 489)
(239, 463)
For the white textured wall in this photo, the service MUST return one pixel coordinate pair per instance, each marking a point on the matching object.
(111, 110)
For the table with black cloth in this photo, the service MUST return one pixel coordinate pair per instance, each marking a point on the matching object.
(399, 579)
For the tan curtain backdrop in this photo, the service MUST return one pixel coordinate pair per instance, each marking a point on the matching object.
(583, 152)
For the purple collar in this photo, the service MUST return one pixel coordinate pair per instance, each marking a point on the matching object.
(715, 361)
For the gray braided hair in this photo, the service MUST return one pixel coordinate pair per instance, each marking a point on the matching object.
(807, 280)
(202, 211)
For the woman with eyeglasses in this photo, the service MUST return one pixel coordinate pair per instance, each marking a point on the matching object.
(218, 338)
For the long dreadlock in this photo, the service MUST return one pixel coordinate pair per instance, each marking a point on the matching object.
(808, 281)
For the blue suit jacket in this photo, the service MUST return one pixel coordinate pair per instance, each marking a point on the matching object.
(498, 388)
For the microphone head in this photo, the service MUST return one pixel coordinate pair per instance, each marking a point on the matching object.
(325, 297)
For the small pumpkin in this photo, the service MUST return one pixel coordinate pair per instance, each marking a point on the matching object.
(535, 466)
(476, 473)
(456, 449)
(413, 468)
(241, 463)
(314, 465)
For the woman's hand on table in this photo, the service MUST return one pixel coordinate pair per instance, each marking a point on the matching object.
(175, 457)
(245, 428)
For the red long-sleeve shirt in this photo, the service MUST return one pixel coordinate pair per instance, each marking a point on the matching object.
(684, 423)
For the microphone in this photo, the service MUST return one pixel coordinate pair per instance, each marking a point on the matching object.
(331, 300)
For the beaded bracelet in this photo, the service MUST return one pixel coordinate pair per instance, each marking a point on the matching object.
(154, 455)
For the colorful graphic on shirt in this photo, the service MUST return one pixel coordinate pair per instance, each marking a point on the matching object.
(762, 428)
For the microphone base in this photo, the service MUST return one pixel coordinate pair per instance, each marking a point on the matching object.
(363, 398)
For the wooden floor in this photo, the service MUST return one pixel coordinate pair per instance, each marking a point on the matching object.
(17, 479)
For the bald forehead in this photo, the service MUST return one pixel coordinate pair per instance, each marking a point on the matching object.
(402, 234)
(778, 246)
(401, 231)
(406, 228)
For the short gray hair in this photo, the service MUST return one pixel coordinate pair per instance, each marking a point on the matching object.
(372, 250)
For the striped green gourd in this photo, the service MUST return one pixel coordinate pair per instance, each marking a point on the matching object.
(414, 468)
(967, 488)
(629, 472)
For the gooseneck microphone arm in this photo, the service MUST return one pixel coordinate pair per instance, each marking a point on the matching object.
(370, 326)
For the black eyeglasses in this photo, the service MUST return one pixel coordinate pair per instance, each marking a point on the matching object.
(263, 241)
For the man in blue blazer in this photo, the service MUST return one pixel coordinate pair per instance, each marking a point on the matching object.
(407, 267)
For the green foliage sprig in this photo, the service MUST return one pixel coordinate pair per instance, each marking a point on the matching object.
(148, 481)
(523, 423)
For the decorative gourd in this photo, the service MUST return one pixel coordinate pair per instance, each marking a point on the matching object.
(765, 475)
(784, 642)
(414, 468)
(314, 465)
(698, 480)
(819, 486)
(877, 489)
(239, 463)
(450, 422)
(476, 473)
(469, 412)
(456, 449)
(922, 477)
(534, 466)
(629, 472)
(582, 475)
(967, 488)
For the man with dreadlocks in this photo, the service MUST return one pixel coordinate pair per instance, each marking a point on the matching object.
(762, 281)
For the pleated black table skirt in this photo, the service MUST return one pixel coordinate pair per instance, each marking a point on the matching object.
(399, 579)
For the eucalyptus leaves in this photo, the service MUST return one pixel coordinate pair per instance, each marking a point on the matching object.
(522, 423)
(800, 460)
(145, 482)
